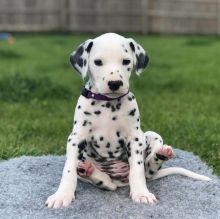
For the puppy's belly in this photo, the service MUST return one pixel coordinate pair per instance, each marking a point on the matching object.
(116, 169)
(110, 158)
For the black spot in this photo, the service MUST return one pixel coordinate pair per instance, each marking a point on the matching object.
(108, 145)
(73, 144)
(87, 113)
(140, 144)
(156, 159)
(89, 47)
(126, 50)
(90, 130)
(80, 156)
(92, 137)
(114, 118)
(75, 122)
(113, 108)
(68, 171)
(82, 145)
(139, 162)
(136, 139)
(76, 58)
(155, 138)
(151, 172)
(108, 105)
(93, 103)
(142, 61)
(79, 62)
(118, 106)
(101, 138)
(137, 151)
(110, 154)
(97, 112)
(116, 152)
(132, 112)
(129, 98)
(84, 63)
(118, 134)
(133, 97)
(99, 183)
(161, 157)
(137, 127)
(132, 46)
(129, 69)
(97, 146)
(74, 133)
(85, 123)
(80, 51)
(138, 119)
(69, 139)
(79, 107)
(121, 142)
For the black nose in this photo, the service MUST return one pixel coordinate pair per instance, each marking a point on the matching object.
(114, 85)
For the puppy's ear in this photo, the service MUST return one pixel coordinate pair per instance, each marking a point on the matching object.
(140, 58)
(80, 58)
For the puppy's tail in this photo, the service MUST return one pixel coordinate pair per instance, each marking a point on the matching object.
(181, 171)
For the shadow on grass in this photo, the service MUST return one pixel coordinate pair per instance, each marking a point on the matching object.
(7, 54)
(17, 88)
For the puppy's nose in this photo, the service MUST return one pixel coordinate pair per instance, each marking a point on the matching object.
(114, 85)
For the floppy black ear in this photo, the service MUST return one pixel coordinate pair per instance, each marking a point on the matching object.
(80, 58)
(140, 58)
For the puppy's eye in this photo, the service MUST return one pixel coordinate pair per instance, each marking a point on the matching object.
(98, 62)
(126, 61)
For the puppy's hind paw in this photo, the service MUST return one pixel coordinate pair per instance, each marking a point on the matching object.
(165, 153)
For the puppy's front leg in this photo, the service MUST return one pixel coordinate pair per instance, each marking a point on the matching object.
(138, 188)
(65, 193)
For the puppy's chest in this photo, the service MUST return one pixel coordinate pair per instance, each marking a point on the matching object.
(106, 146)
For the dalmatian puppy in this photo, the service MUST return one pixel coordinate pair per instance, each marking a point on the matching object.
(107, 146)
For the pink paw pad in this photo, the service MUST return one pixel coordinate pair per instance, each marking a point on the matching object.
(165, 153)
(85, 168)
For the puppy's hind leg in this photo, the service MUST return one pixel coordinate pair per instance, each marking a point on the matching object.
(155, 154)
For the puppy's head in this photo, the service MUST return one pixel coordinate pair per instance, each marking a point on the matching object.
(109, 60)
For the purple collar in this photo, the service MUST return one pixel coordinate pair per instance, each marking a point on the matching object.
(89, 94)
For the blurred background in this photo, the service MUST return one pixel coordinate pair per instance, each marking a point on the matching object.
(178, 94)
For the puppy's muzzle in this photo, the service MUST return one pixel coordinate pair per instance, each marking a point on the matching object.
(114, 85)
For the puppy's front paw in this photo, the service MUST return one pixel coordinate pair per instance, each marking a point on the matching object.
(147, 198)
(59, 200)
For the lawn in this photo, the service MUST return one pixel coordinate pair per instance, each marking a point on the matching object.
(178, 94)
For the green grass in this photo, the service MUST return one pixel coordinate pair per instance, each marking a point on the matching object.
(178, 94)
